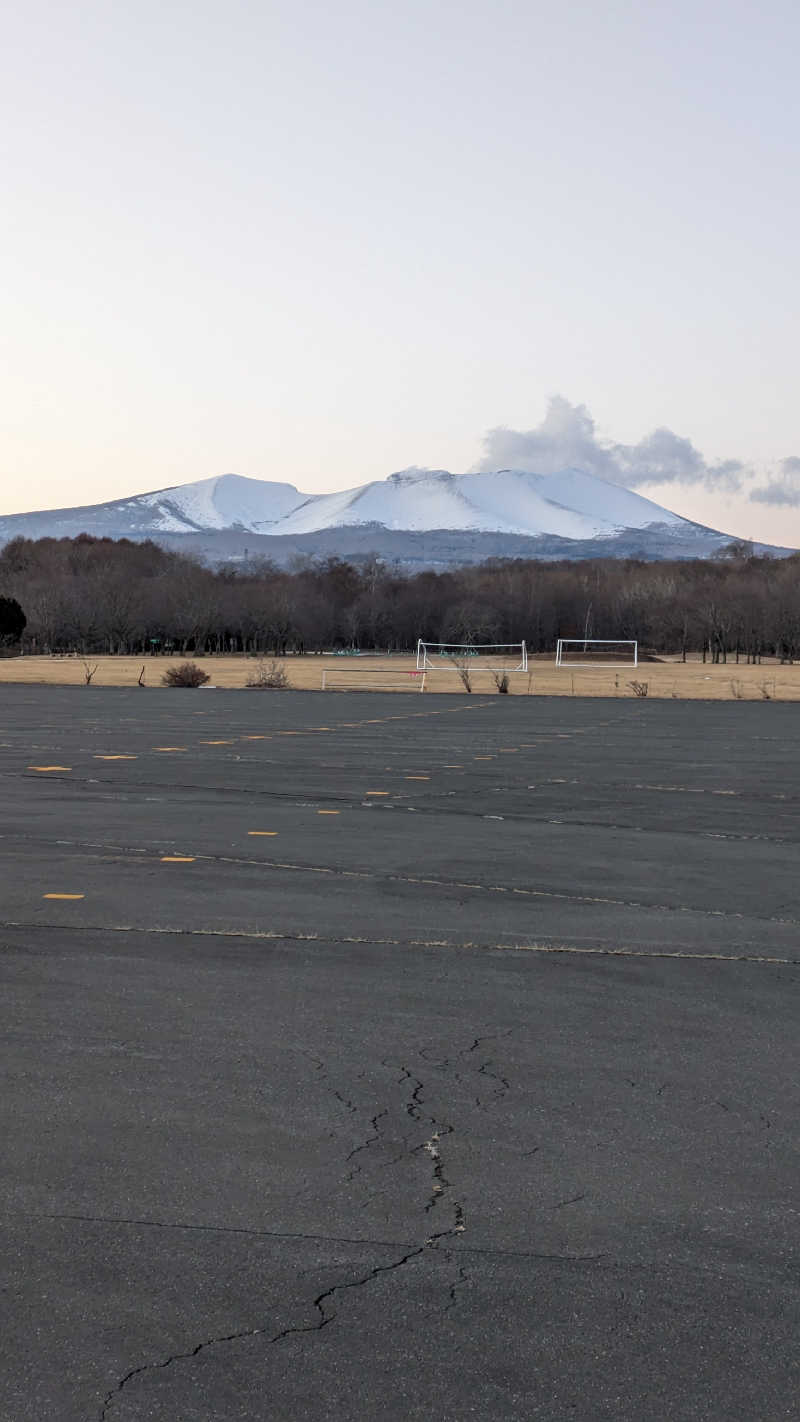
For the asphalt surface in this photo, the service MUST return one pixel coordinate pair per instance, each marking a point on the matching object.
(402, 1057)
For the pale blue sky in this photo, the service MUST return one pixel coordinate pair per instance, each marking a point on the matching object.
(317, 243)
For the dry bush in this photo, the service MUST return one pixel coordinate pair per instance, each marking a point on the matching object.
(186, 674)
(767, 689)
(501, 681)
(88, 672)
(272, 677)
(737, 690)
(639, 688)
(463, 672)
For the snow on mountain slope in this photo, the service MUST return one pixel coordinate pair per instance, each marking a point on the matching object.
(530, 502)
(569, 505)
(414, 500)
(593, 497)
(510, 503)
(227, 501)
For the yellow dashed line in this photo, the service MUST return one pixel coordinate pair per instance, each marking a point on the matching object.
(177, 859)
(62, 896)
(328, 812)
(213, 743)
(377, 792)
(483, 757)
(45, 768)
(269, 834)
(255, 738)
(169, 748)
(114, 757)
(417, 777)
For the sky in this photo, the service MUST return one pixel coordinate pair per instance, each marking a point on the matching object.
(318, 243)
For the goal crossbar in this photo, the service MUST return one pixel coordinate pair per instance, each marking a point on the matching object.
(489, 656)
(607, 647)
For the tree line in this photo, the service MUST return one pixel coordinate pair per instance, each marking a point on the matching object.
(95, 595)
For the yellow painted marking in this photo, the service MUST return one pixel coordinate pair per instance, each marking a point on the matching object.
(169, 748)
(62, 896)
(290, 733)
(417, 777)
(255, 738)
(267, 833)
(328, 812)
(212, 743)
(508, 750)
(452, 767)
(483, 757)
(115, 757)
(177, 859)
(44, 768)
(377, 792)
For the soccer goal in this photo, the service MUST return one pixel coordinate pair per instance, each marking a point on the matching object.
(592, 652)
(487, 656)
(362, 679)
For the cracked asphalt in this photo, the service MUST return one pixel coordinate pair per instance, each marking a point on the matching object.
(370, 1056)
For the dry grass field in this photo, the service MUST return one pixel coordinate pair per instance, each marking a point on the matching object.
(670, 678)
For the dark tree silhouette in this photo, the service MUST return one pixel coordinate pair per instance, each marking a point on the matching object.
(12, 621)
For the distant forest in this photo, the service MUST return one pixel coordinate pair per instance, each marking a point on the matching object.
(100, 595)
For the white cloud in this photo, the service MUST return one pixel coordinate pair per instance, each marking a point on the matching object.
(567, 438)
(783, 487)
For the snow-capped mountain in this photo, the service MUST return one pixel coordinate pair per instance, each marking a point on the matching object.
(569, 505)
(467, 516)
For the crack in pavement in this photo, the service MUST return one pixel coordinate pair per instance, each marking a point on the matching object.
(373, 876)
(321, 1304)
(287, 936)
(370, 1140)
(463, 1278)
(325, 1317)
(179, 1225)
(504, 1085)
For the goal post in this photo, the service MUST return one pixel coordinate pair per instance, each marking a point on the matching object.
(596, 652)
(488, 656)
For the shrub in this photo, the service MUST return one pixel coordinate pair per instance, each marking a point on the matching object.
(186, 674)
(270, 677)
(500, 679)
(463, 672)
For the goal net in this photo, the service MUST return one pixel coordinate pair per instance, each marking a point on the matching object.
(363, 679)
(592, 652)
(489, 656)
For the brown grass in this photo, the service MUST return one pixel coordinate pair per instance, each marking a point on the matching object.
(692, 681)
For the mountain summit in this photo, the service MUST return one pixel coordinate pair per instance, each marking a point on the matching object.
(413, 516)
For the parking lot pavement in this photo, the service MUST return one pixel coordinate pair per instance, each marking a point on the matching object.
(381, 1056)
